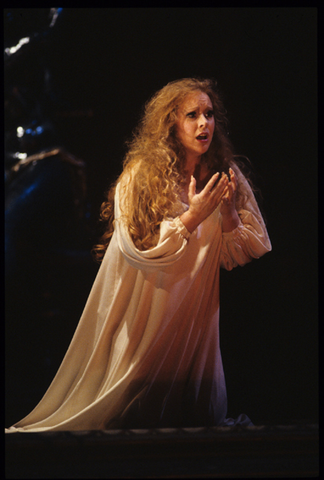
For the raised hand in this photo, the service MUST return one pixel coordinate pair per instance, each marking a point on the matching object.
(228, 199)
(202, 204)
(230, 218)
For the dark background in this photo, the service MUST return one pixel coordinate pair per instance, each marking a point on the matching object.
(104, 64)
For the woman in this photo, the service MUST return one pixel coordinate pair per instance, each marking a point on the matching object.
(146, 351)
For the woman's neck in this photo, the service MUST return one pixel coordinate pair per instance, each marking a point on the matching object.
(192, 163)
(201, 173)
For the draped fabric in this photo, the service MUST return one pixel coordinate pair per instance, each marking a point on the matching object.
(146, 352)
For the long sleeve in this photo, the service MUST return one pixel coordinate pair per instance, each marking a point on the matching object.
(146, 352)
(171, 244)
(250, 238)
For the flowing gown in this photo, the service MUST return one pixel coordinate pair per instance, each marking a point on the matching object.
(146, 351)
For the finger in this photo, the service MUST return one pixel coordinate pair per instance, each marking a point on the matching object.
(192, 186)
(221, 186)
(230, 190)
(218, 194)
(225, 192)
(209, 185)
(233, 178)
(225, 200)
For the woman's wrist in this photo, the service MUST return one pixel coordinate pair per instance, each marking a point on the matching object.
(190, 221)
(230, 221)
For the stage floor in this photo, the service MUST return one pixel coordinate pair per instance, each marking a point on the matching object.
(220, 452)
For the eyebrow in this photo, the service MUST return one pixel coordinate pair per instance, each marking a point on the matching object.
(192, 109)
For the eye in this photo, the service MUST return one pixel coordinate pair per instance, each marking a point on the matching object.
(210, 113)
(191, 114)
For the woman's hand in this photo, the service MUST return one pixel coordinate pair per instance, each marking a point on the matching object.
(228, 199)
(202, 204)
(228, 211)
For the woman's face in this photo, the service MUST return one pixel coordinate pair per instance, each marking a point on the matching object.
(195, 124)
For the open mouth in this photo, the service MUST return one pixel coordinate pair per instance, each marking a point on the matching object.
(202, 137)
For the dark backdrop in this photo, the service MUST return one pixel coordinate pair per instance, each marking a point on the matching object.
(105, 63)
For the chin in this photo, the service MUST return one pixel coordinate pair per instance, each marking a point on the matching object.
(204, 150)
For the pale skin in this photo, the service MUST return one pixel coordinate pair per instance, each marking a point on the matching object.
(195, 117)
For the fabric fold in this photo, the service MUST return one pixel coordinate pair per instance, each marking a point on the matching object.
(146, 352)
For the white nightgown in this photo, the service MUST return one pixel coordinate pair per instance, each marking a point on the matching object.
(146, 351)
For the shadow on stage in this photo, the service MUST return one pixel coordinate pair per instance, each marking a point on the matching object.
(289, 451)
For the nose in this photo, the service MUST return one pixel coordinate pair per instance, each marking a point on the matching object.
(202, 120)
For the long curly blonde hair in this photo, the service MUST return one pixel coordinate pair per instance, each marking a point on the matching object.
(153, 168)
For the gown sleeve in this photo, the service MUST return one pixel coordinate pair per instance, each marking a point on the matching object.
(171, 243)
(250, 238)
